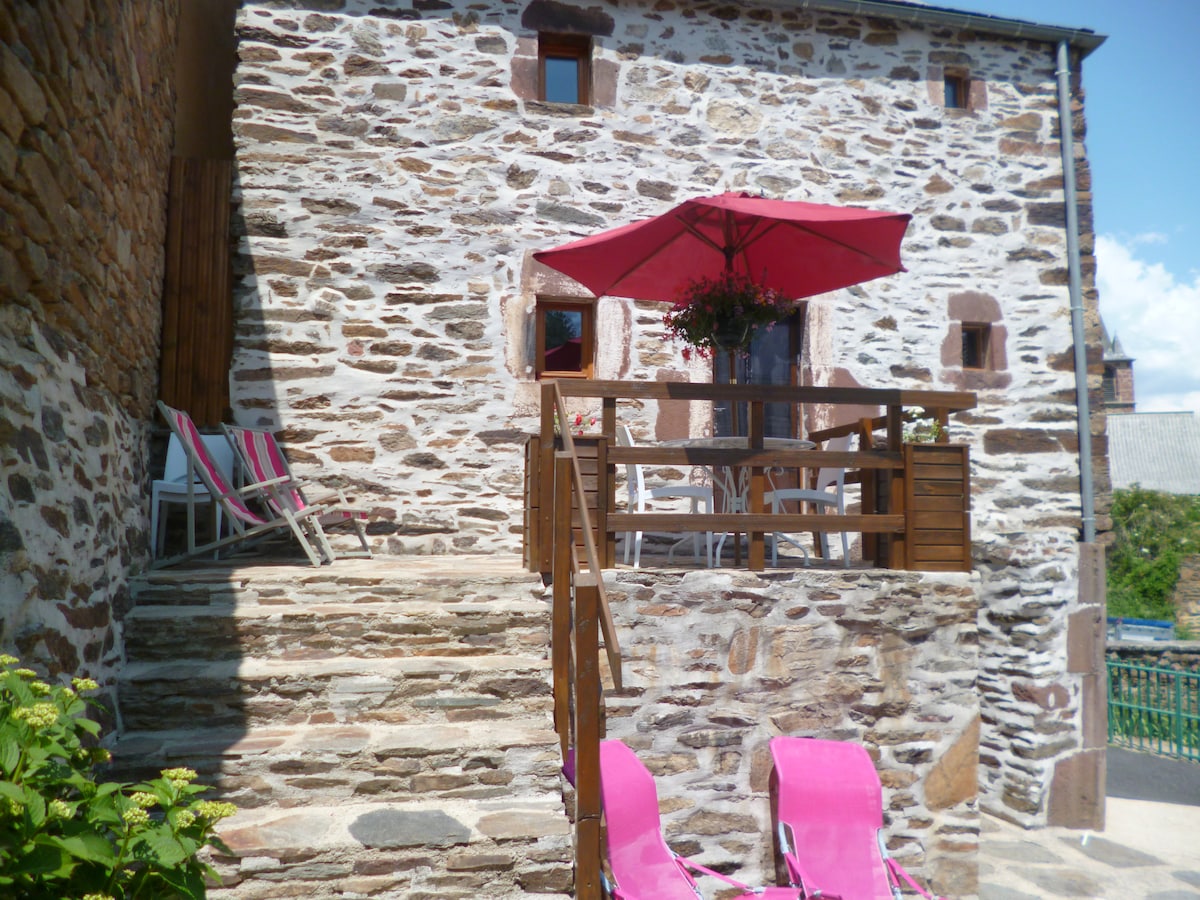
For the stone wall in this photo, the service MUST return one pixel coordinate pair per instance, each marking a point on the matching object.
(718, 663)
(1183, 656)
(393, 179)
(86, 106)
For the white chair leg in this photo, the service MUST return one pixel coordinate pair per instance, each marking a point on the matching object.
(637, 549)
(158, 525)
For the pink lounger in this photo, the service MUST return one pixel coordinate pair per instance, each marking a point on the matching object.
(643, 867)
(829, 821)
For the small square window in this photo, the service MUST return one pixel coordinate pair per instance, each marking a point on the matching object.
(957, 90)
(565, 339)
(976, 346)
(564, 68)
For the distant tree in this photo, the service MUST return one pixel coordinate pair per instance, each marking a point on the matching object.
(1154, 532)
(561, 326)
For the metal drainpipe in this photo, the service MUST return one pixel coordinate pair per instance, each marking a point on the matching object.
(1086, 488)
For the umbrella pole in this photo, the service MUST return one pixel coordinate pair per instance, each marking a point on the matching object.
(735, 414)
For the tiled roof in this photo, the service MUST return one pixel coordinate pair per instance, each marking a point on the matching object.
(1159, 451)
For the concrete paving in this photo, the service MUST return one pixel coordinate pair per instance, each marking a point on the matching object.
(1149, 849)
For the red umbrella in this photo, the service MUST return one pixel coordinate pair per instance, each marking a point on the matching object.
(799, 249)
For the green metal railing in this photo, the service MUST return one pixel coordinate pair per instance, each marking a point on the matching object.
(1154, 709)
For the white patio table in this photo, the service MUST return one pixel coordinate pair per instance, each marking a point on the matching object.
(734, 481)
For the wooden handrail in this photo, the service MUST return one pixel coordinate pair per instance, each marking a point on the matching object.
(952, 401)
(575, 664)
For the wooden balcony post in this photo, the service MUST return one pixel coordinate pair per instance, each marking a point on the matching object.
(757, 553)
(896, 492)
(560, 624)
(587, 737)
(546, 467)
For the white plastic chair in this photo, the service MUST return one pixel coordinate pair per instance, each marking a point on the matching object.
(700, 497)
(829, 494)
(172, 487)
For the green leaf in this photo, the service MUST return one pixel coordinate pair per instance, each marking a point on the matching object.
(10, 750)
(38, 858)
(12, 791)
(187, 881)
(35, 807)
(89, 847)
(165, 848)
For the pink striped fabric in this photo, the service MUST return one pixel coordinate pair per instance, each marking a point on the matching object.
(266, 462)
(189, 436)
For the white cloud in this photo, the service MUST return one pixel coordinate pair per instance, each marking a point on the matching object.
(1157, 318)
(1150, 237)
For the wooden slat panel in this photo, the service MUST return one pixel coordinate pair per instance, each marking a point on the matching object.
(925, 472)
(940, 455)
(938, 504)
(927, 553)
(936, 521)
(935, 538)
(938, 499)
(949, 488)
(197, 337)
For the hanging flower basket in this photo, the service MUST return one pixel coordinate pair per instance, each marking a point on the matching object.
(724, 313)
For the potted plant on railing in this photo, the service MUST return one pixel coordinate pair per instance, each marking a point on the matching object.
(724, 313)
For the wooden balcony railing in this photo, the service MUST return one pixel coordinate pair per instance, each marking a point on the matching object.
(914, 499)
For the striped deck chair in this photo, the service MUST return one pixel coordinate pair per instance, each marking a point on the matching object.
(240, 504)
(264, 461)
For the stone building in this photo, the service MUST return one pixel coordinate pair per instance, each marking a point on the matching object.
(396, 164)
(396, 168)
(1118, 375)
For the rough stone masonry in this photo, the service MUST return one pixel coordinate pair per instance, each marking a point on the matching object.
(394, 171)
(86, 105)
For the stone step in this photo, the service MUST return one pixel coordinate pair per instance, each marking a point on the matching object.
(417, 850)
(312, 630)
(326, 764)
(444, 580)
(384, 726)
(339, 690)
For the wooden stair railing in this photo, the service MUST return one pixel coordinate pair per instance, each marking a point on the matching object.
(580, 614)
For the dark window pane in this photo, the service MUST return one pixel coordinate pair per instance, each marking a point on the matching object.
(974, 346)
(956, 92)
(768, 362)
(564, 334)
(562, 79)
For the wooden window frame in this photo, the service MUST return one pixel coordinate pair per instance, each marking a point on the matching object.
(979, 336)
(587, 336)
(959, 83)
(567, 46)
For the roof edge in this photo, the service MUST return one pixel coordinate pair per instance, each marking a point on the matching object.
(1083, 39)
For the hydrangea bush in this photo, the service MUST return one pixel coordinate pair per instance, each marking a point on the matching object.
(66, 836)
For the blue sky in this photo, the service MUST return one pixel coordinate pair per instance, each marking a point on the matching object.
(1143, 144)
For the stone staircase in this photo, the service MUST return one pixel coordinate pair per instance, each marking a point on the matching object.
(384, 726)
